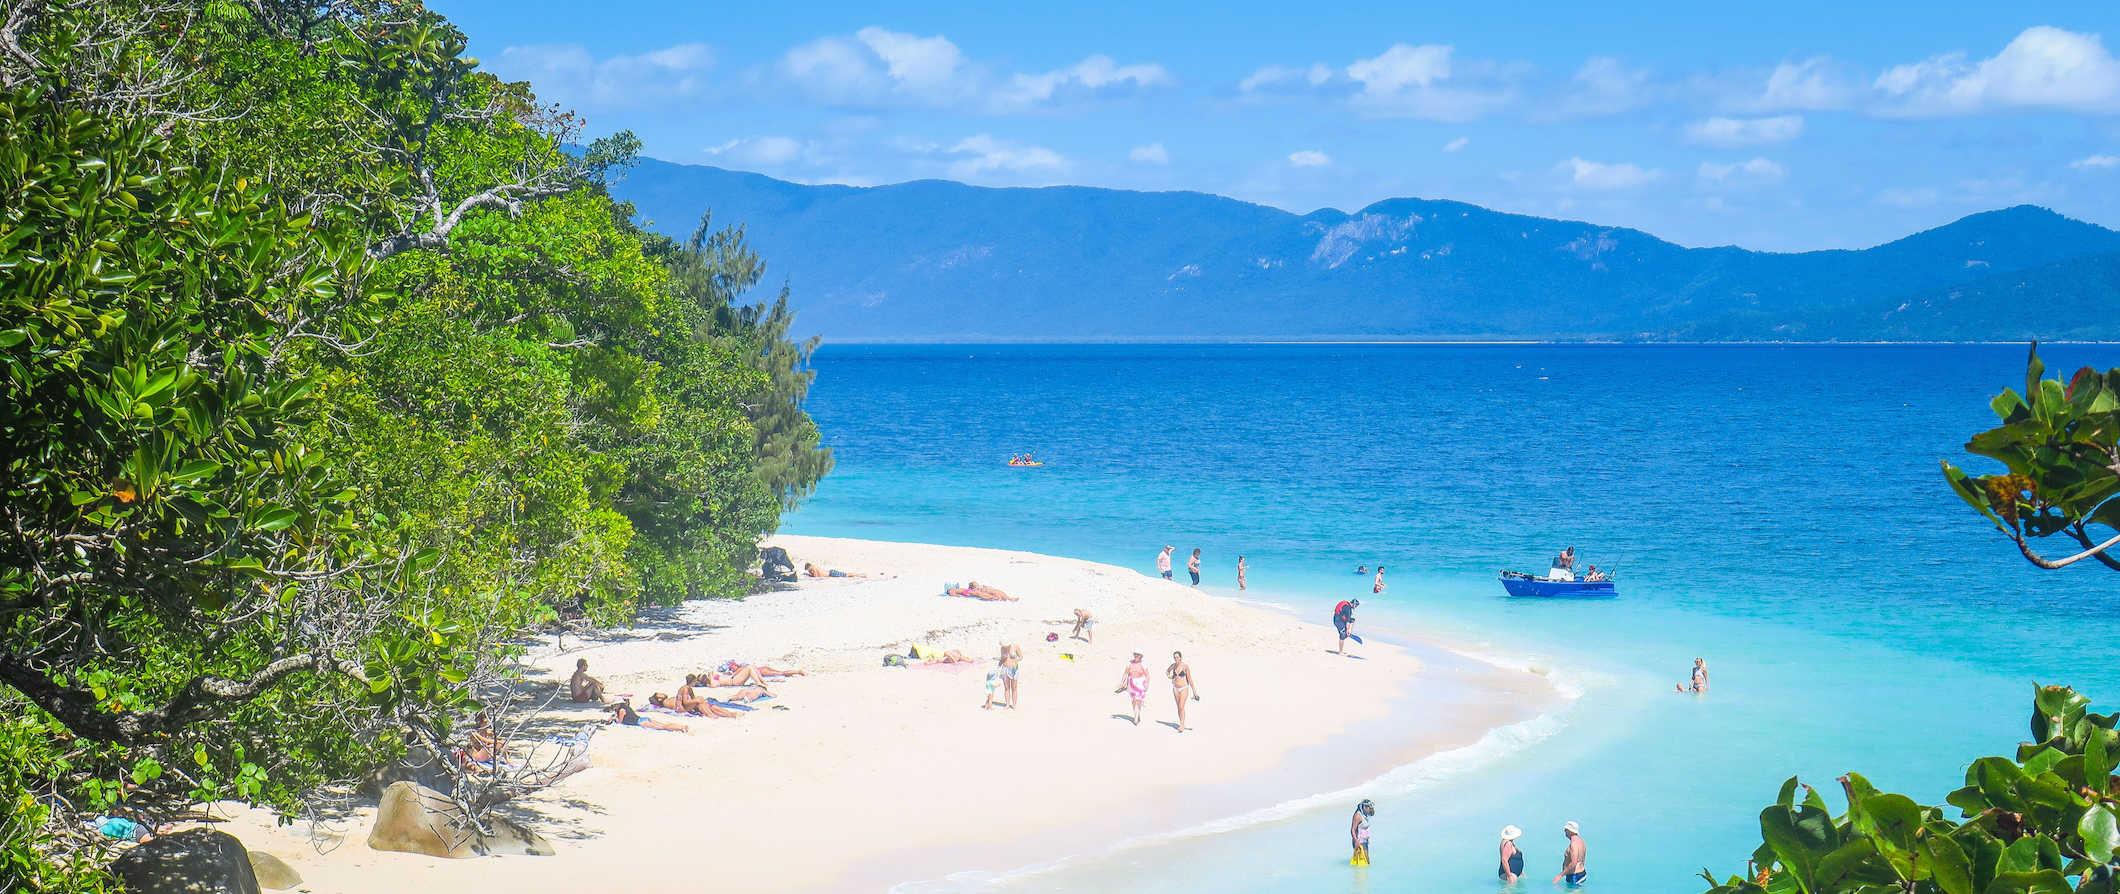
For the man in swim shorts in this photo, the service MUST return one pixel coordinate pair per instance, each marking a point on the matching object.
(1163, 561)
(1343, 619)
(1572, 860)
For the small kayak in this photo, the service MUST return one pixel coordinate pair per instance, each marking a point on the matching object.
(1518, 583)
(1021, 465)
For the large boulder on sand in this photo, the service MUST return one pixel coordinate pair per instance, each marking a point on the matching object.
(194, 861)
(273, 872)
(419, 820)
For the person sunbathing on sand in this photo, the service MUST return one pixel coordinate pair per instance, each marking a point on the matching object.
(732, 665)
(741, 675)
(689, 702)
(624, 715)
(950, 657)
(742, 694)
(811, 569)
(975, 591)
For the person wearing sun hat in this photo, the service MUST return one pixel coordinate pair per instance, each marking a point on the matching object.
(1512, 861)
(1572, 867)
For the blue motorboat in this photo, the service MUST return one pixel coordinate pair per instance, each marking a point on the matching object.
(1519, 583)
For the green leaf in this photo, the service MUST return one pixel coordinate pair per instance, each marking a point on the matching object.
(2100, 828)
(1948, 865)
(276, 520)
(2044, 881)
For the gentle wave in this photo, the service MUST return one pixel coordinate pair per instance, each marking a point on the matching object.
(1402, 780)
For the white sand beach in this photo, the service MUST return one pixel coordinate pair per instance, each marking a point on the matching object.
(876, 775)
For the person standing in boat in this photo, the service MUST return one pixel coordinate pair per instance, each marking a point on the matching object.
(1563, 565)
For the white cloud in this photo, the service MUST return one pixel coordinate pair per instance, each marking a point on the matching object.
(759, 150)
(1584, 174)
(2095, 161)
(1095, 73)
(569, 75)
(914, 62)
(1281, 75)
(1810, 84)
(2044, 67)
(878, 66)
(1417, 82)
(1756, 170)
(1151, 154)
(1721, 131)
(982, 154)
(1605, 86)
(1309, 158)
(1455, 145)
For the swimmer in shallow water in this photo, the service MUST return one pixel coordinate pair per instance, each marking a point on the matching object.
(1700, 678)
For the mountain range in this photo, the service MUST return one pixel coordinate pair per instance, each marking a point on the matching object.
(941, 261)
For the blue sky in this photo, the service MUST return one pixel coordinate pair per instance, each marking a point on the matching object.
(1786, 126)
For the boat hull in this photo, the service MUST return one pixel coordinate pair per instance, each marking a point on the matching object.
(1560, 589)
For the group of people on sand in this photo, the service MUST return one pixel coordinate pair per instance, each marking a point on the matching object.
(1192, 566)
(750, 682)
(1509, 866)
(1002, 678)
(1184, 686)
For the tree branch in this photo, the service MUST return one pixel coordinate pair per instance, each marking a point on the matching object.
(2097, 551)
(200, 697)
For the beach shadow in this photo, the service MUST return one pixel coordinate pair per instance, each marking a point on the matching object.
(1169, 723)
(1355, 657)
(1129, 718)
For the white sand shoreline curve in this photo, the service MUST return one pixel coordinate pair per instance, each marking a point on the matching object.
(877, 776)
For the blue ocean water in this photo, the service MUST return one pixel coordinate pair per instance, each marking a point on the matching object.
(1776, 510)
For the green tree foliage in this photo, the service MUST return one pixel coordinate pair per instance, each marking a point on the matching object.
(330, 370)
(2044, 822)
(713, 270)
(2058, 443)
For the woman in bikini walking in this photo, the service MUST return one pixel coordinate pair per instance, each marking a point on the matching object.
(1182, 685)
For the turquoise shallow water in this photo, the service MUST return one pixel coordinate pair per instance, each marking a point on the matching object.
(1776, 510)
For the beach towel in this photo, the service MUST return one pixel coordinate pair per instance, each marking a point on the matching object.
(731, 705)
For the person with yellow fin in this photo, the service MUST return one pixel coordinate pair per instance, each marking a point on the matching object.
(1358, 830)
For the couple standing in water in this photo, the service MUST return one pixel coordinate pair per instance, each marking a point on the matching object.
(1183, 687)
(1573, 860)
(1192, 566)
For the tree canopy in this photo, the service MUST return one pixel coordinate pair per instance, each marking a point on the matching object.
(331, 367)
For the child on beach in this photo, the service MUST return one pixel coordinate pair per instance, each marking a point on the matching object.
(1135, 684)
(993, 682)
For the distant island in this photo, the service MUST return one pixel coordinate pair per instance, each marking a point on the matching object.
(942, 261)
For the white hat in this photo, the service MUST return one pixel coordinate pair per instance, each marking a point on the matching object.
(1570, 827)
(1510, 833)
